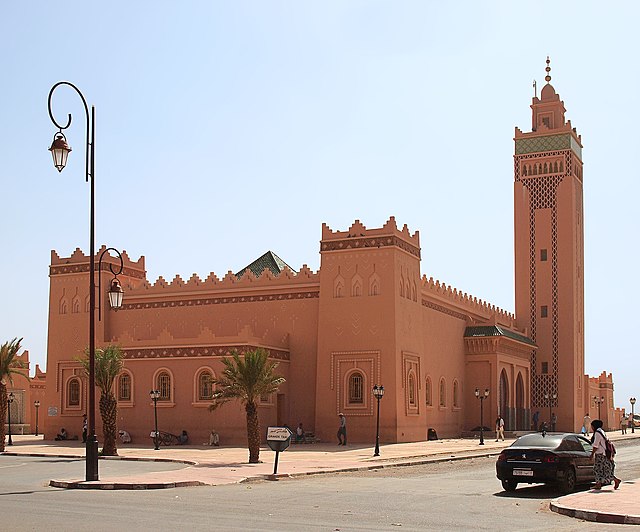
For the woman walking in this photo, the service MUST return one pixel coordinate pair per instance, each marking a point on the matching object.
(603, 467)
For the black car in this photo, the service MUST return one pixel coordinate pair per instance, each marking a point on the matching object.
(553, 458)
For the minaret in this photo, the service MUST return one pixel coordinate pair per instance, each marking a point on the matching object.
(549, 256)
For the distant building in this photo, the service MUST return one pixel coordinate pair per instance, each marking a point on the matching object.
(366, 317)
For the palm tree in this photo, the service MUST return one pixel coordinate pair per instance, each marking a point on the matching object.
(247, 378)
(108, 364)
(8, 367)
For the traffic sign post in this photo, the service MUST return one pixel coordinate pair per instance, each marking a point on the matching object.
(278, 439)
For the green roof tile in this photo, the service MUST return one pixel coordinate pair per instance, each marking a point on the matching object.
(269, 261)
(494, 330)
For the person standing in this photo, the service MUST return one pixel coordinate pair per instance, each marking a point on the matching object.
(623, 424)
(554, 420)
(84, 428)
(536, 418)
(586, 424)
(342, 430)
(603, 467)
(499, 428)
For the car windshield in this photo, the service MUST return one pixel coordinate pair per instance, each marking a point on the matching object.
(537, 440)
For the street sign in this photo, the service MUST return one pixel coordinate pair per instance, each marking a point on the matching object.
(278, 439)
(278, 434)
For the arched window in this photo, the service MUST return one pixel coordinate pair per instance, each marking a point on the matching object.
(75, 306)
(456, 402)
(338, 290)
(356, 386)
(412, 390)
(443, 393)
(205, 386)
(164, 385)
(427, 391)
(63, 307)
(73, 392)
(124, 387)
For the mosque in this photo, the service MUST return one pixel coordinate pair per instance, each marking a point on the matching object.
(366, 317)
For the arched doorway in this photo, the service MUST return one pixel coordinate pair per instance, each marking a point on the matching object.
(520, 417)
(503, 403)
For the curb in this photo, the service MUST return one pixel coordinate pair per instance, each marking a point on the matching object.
(590, 515)
(82, 457)
(97, 485)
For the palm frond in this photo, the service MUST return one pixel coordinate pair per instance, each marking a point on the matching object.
(9, 365)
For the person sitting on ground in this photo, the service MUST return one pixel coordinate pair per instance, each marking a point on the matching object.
(214, 438)
(62, 435)
(183, 438)
(125, 437)
(299, 433)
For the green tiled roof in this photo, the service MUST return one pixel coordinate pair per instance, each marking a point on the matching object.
(494, 330)
(269, 260)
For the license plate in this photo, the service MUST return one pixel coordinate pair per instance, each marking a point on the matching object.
(522, 473)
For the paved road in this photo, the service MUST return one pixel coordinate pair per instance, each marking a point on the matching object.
(448, 496)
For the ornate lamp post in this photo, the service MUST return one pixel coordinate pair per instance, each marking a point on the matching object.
(550, 399)
(482, 397)
(10, 400)
(37, 405)
(598, 400)
(60, 152)
(378, 392)
(155, 394)
(633, 417)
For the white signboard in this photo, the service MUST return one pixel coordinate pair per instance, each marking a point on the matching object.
(278, 434)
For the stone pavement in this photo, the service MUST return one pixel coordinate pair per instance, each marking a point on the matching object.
(211, 466)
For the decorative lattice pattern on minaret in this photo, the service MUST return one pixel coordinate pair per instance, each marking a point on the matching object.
(543, 195)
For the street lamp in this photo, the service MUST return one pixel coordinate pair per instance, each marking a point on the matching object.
(378, 392)
(550, 399)
(155, 394)
(598, 401)
(60, 151)
(482, 397)
(10, 400)
(633, 417)
(37, 405)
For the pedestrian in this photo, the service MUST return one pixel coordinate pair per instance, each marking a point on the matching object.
(84, 428)
(603, 466)
(299, 433)
(554, 420)
(623, 424)
(536, 418)
(214, 438)
(342, 430)
(586, 423)
(499, 428)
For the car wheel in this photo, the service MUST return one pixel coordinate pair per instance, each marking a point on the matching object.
(568, 483)
(509, 485)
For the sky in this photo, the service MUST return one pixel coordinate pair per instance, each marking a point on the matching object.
(226, 129)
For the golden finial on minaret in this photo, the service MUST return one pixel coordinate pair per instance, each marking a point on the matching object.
(547, 78)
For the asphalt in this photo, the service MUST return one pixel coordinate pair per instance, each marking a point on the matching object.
(214, 466)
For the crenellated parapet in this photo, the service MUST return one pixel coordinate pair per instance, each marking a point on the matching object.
(78, 262)
(303, 279)
(358, 237)
(469, 307)
(205, 344)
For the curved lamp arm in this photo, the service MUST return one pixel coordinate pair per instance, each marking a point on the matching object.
(114, 281)
(61, 128)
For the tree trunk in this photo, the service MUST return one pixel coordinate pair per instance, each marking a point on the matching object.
(109, 414)
(3, 414)
(253, 432)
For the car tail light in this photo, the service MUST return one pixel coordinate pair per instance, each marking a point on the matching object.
(550, 459)
(502, 457)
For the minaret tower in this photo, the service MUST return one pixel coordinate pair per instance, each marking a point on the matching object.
(549, 257)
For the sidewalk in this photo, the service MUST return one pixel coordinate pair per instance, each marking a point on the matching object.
(213, 466)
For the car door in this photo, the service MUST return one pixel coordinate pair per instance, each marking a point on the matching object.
(586, 465)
